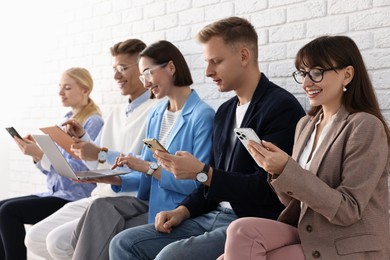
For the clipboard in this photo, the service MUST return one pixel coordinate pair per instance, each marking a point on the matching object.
(60, 137)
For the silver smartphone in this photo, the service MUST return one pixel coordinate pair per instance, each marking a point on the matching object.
(246, 134)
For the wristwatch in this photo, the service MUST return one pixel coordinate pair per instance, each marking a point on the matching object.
(152, 167)
(102, 155)
(203, 175)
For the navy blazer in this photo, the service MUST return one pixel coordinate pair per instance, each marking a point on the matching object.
(273, 113)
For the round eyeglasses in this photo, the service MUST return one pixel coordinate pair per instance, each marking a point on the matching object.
(121, 68)
(315, 75)
(146, 76)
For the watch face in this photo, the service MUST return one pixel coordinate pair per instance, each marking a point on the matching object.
(153, 165)
(201, 177)
(102, 156)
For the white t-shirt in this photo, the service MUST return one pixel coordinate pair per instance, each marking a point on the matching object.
(240, 113)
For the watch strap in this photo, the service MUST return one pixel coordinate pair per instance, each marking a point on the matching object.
(206, 169)
(151, 170)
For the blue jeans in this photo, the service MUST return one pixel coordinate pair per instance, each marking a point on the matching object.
(195, 238)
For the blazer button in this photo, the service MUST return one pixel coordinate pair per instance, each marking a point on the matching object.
(309, 228)
(289, 193)
(316, 254)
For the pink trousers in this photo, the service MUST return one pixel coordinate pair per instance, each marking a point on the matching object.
(258, 238)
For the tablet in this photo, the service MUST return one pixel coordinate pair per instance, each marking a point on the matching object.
(60, 137)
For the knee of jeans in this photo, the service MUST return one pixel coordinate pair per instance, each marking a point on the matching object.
(114, 246)
(115, 243)
(122, 245)
(173, 251)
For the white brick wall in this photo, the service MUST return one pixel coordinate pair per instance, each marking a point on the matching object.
(82, 31)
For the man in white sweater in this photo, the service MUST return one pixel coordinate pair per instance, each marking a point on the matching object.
(122, 133)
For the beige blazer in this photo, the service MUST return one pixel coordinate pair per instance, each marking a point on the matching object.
(340, 205)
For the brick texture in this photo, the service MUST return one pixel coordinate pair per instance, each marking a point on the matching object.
(82, 33)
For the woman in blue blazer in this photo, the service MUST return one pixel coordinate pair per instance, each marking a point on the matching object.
(182, 122)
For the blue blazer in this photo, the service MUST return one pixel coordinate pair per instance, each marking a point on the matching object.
(192, 132)
(273, 113)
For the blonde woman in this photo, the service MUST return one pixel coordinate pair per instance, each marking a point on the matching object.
(75, 87)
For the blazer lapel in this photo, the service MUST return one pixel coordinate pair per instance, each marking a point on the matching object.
(337, 126)
(189, 105)
(222, 132)
(303, 136)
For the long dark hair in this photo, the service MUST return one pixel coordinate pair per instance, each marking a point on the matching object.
(331, 51)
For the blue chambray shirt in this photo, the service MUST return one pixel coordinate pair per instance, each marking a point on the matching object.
(65, 188)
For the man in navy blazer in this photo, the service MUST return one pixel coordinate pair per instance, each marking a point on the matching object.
(234, 185)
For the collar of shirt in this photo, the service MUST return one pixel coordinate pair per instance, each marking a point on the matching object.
(68, 115)
(137, 102)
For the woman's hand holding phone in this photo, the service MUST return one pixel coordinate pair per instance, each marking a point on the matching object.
(267, 155)
(246, 134)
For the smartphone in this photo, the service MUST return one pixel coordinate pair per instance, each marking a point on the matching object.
(13, 132)
(246, 134)
(153, 144)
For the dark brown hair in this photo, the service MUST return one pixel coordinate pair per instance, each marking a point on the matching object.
(162, 52)
(129, 47)
(332, 51)
(233, 31)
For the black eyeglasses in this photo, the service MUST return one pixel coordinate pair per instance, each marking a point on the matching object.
(316, 75)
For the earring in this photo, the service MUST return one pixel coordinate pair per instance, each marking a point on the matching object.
(344, 89)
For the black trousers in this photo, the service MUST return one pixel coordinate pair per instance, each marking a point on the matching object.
(16, 212)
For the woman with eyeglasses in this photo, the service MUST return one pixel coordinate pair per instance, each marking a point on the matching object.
(181, 122)
(75, 88)
(334, 186)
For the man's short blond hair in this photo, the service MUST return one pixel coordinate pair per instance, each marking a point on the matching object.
(233, 31)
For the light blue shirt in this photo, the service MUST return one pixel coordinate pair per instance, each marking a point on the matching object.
(191, 132)
(62, 187)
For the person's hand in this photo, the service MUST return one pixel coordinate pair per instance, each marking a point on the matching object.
(114, 180)
(131, 162)
(166, 220)
(268, 156)
(85, 150)
(28, 146)
(73, 128)
(183, 165)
